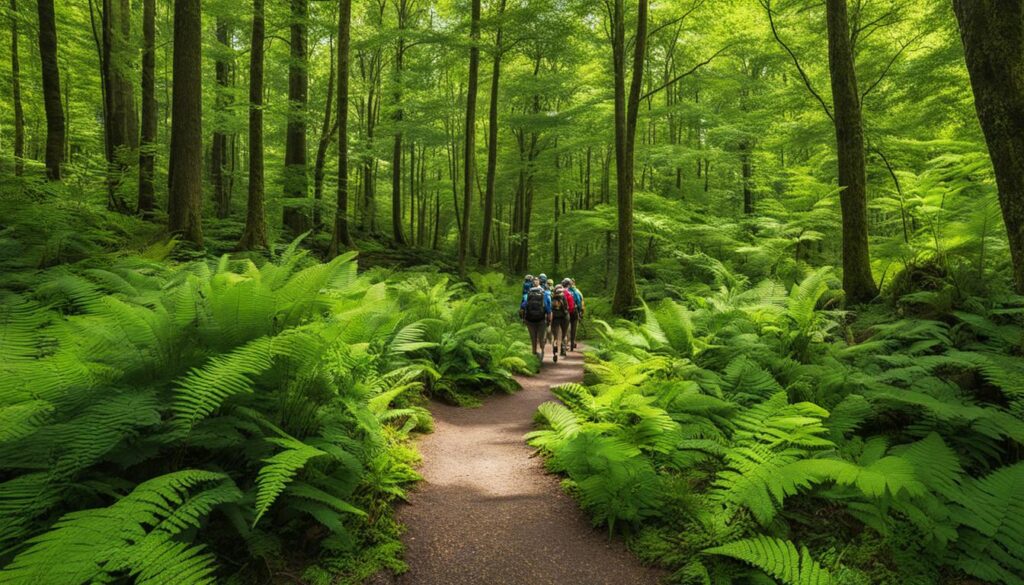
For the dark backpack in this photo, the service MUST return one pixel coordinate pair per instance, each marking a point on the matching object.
(534, 305)
(559, 306)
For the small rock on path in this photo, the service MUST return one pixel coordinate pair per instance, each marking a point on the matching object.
(487, 513)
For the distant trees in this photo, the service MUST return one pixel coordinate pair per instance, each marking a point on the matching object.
(296, 183)
(120, 123)
(19, 113)
(185, 176)
(992, 32)
(492, 144)
(51, 89)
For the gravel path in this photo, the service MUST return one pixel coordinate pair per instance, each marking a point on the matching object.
(487, 513)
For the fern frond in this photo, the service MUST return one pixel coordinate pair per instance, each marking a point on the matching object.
(778, 558)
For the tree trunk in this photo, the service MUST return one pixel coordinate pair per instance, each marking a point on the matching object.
(625, 299)
(19, 114)
(219, 149)
(468, 173)
(147, 154)
(120, 127)
(326, 132)
(396, 153)
(746, 172)
(255, 234)
(184, 201)
(492, 145)
(341, 232)
(51, 89)
(993, 40)
(296, 185)
(858, 282)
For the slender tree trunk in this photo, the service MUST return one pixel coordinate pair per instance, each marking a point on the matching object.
(341, 237)
(255, 234)
(396, 153)
(184, 201)
(625, 298)
(858, 282)
(492, 145)
(469, 158)
(326, 132)
(51, 89)
(147, 154)
(746, 172)
(296, 185)
(219, 149)
(19, 114)
(120, 125)
(993, 40)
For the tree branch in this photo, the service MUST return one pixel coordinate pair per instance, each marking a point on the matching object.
(691, 71)
(889, 65)
(803, 75)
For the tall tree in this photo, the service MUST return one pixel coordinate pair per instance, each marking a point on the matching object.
(219, 147)
(120, 124)
(341, 232)
(625, 298)
(19, 113)
(185, 199)
(51, 89)
(326, 132)
(402, 8)
(992, 32)
(295, 180)
(147, 156)
(254, 236)
(492, 144)
(858, 282)
(469, 159)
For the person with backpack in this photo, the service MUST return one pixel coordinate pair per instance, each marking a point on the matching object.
(535, 310)
(561, 307)
(527, 283)
(577, 314)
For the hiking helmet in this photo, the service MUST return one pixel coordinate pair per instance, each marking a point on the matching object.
(558, 288)
(543, 276)
(528, 277)
(566, 282)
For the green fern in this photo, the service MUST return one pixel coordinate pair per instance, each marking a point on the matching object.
(778, 558)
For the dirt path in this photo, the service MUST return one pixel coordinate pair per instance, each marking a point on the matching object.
(487, 513)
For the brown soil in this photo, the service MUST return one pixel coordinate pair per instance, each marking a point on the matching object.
(487, 513)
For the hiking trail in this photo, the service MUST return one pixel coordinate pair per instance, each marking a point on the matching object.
(486, 511)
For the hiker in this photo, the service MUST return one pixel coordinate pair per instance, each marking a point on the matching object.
(546, 284)
(527, 283)
(535, 312)
(561, 307)
(577, 314)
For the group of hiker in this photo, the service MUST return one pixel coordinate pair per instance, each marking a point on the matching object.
(551, 312)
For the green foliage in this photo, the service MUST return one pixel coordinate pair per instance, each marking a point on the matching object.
(773, 429)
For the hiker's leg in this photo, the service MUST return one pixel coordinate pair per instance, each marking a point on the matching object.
(542, 333)
(533, 329)
(573, 321)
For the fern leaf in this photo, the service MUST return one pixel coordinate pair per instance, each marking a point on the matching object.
(778, 558)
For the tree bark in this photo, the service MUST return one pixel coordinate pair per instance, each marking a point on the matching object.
(219, 149)
(120, 126)
(747, 172)
(295, 164)
(255, 234)
(19, 113)
(469, 169)
(993, 37)
(51, 89)
(858, 282)
(625, 299)
(326, 132)
(492, 145)
(396, 153)
(342, 237)
(147, 154)
(184, 201)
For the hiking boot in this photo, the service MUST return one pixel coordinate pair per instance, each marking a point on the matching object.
(554, 355)
(563, 352)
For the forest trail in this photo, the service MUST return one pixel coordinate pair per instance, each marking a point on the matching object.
(487, 513)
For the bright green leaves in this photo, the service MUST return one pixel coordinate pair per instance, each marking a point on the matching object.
(777, 557)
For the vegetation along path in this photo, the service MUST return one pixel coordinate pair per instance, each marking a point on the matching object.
(487, 512)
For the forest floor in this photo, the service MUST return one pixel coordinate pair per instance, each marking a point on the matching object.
(487, 513)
